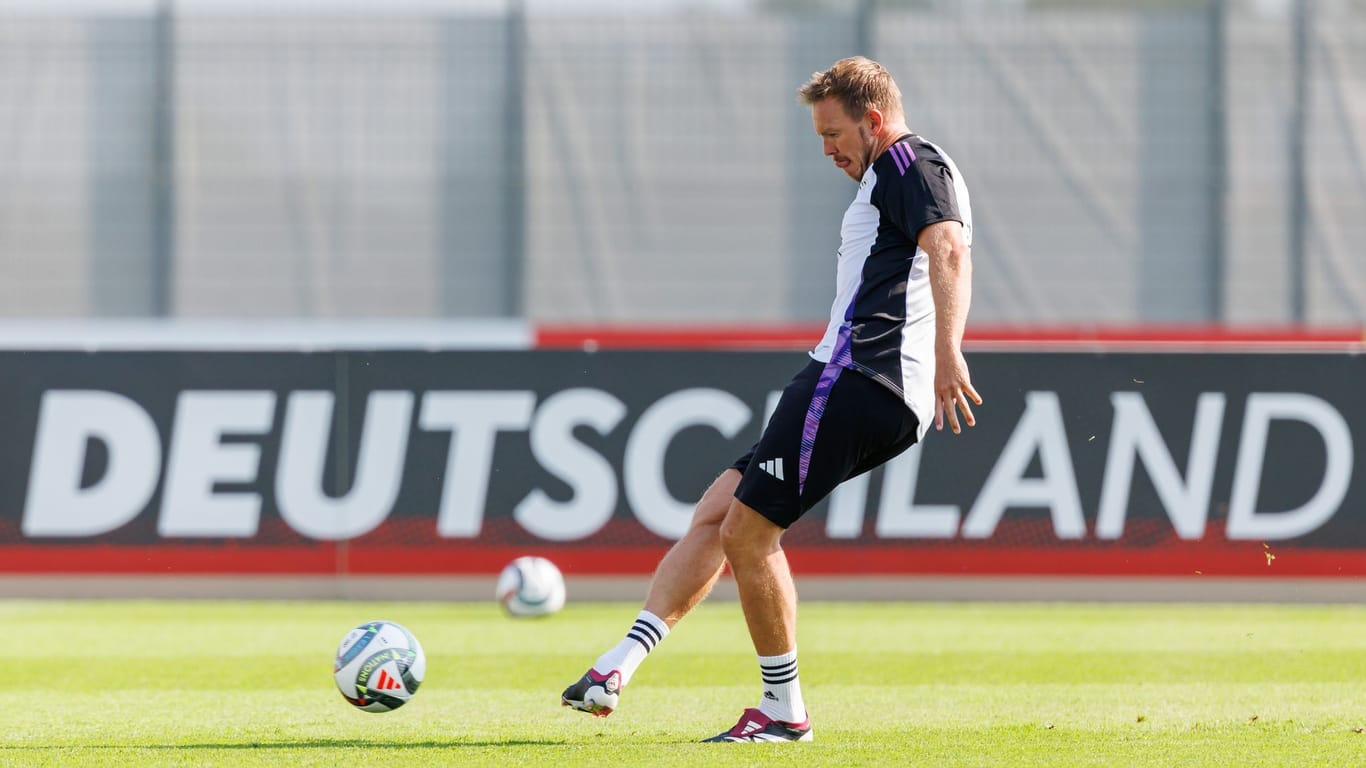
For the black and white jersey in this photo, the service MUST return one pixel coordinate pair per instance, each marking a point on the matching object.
(882, 320)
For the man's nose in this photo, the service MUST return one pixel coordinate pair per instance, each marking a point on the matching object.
(828, 146)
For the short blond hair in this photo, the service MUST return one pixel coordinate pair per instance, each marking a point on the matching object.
(858, 84)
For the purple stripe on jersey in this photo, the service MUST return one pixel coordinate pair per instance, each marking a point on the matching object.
(900, 162)
(903, 155)
(841, 341)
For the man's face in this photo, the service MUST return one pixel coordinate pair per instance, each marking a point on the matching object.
(847, 141)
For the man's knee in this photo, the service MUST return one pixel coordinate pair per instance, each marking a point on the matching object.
(747, 535)
(711, 509)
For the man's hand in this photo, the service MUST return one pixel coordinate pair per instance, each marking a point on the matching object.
(953, 391)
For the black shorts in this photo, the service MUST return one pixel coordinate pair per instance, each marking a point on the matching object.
(831, 424)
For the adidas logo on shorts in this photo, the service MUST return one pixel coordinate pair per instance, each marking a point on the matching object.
(773, 467)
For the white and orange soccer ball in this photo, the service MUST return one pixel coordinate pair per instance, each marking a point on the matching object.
(379, 666)
(530, 586)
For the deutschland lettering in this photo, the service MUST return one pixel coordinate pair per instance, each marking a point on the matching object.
(99, 460)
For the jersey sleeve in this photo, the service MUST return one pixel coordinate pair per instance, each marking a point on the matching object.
(920, 196)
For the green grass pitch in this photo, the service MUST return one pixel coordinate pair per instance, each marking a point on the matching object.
(212, 683)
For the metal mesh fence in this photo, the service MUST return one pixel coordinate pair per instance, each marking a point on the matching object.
(648, 162)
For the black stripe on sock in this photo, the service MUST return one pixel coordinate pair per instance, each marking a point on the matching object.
(645, 625)
(778, 668)
(780, 682)
(642, 639)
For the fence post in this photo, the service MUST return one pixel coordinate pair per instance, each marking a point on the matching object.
(514, 164)
(1299, 125)
(162, 298)
(1218, 178)
(863, 27)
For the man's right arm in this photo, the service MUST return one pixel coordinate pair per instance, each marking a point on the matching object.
(951, 285)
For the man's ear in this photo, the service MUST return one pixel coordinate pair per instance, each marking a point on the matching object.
(875, 119)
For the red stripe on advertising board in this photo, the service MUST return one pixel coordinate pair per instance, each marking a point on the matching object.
(319, 560)
(806, 336)
(1222, 560)
(678, 337)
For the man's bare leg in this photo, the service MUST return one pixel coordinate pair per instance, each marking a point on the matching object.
(767, 592)
(685, 576)
(690, 569)
(768, 597)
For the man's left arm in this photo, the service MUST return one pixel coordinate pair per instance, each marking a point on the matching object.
(951, 285)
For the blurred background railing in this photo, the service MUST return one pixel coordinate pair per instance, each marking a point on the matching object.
(1130, 162)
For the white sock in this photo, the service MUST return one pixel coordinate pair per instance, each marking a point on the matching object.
(644, 635)
(782, 699)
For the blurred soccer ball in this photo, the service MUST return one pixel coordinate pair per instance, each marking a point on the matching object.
(531, 586)
(379, 666)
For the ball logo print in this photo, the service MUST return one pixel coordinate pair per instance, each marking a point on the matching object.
(379, 666)
(530, 586)
(387, 683)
